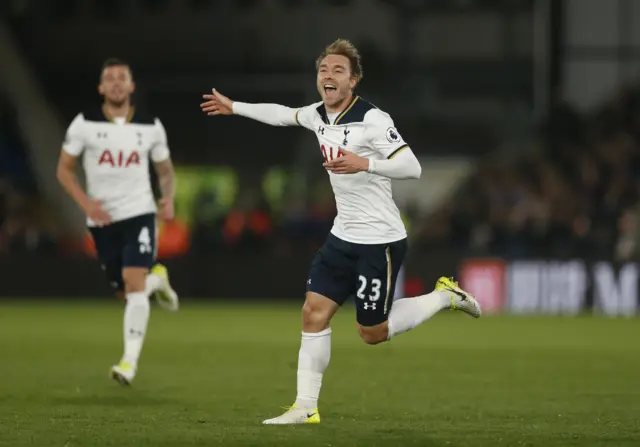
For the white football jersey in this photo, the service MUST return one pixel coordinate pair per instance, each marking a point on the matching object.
(367, 213)
(116, 156)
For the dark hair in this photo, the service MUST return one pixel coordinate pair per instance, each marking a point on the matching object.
(115, 62)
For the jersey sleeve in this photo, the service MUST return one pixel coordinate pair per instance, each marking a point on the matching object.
(382, 134)
(74, 140)
(305, 116)
(160, 150)
(272, 114)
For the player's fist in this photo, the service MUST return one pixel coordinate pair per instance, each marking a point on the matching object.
(96, 213)
(347, 163)
(217, 104)
(165, 210)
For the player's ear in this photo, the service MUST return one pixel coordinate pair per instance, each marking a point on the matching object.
(133, 86)
(100, 89)
(353, 82)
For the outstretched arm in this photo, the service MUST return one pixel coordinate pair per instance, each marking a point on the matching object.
(273, 114)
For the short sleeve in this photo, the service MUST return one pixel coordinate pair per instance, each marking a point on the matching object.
(160, 150)
(306, 116)
(382, 134)
(74, 140)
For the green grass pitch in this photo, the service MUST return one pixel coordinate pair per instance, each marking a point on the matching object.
(210, 373)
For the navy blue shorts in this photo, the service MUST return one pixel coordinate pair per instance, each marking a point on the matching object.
(343, 269)
(126, 243)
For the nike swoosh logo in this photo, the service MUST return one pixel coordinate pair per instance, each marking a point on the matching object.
(460, 294)
(309, 415)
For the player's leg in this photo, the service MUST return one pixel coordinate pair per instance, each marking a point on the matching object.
(110, 243)
(138, 254)
(140, 251)
(408, 313)
(157, 283)
(329, 285)
(142, 238)
(377, 271)
(315, 347)
(313, 360)
(108, 246)
(380, 320)
(136, 319)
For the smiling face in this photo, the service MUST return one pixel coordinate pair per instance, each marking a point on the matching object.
(339, 71)
(335, 81)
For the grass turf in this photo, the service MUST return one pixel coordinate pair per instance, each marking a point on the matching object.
(211, 373)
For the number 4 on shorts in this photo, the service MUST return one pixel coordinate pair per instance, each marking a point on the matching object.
(144, 239)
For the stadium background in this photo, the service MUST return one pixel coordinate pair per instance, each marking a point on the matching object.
(525, 115)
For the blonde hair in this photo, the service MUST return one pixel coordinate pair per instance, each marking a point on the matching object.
(343, 47)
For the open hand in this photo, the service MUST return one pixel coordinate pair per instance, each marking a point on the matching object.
(347, 163)
(217, 104)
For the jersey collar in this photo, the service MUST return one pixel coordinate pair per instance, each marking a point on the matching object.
(109, 118)
(343, 115)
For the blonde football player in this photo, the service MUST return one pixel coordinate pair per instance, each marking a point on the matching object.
(361, 151)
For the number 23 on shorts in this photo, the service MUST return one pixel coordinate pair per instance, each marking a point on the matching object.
(376, 284)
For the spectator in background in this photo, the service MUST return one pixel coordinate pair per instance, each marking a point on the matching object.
(576, 195)
(247, 226)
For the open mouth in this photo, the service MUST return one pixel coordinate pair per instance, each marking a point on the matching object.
(330, 88)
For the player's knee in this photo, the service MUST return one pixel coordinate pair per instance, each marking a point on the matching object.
(315, 316)
(373, 335)
(134, 279)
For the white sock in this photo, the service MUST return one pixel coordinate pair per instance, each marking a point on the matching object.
(408, 313)
(136, 317)
(313, 359)
(152, 284)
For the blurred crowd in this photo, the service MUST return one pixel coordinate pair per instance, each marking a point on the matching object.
(574, 194)
(23, 221)
(256, 224)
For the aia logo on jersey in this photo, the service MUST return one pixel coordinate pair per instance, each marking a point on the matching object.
(328, 153)
(117, 159)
